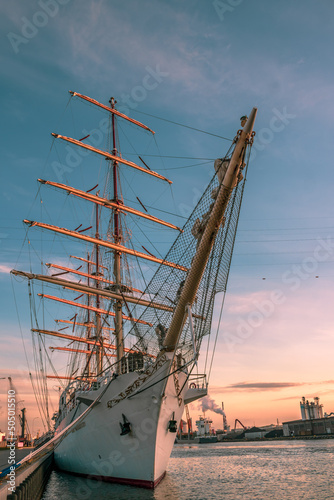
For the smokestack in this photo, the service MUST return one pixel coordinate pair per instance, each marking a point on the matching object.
(302, 408)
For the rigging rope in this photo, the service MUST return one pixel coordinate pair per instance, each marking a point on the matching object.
(229, 267)
(182, 125)
(26, 355)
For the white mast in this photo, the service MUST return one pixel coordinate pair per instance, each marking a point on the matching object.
(117, 254)
(201, 257)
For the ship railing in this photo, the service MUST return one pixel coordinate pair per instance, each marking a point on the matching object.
(197, 381)
(132, 362)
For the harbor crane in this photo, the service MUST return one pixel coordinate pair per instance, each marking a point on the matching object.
(235, 424)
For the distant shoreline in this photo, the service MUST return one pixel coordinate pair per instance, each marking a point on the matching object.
(281, 438)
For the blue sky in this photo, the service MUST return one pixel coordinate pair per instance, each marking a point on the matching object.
(203, 64)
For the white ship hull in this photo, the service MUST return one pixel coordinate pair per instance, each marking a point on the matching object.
(95, 448)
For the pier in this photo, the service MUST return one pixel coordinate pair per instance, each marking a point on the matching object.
(27, 478)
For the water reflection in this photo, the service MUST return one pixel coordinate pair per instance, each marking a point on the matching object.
(259, 470)
(67, 487)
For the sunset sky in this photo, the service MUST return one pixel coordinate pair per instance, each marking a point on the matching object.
(201, 64)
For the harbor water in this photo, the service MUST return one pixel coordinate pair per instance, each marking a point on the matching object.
(278, 470)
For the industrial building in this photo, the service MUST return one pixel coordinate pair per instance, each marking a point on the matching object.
(313, 422)
(255, 433)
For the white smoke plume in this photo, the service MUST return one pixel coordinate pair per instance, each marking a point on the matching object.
(208, 403)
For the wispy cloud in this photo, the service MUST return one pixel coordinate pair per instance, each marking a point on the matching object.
(266, 386)
(196, 70)
(309, 395)
(245, 303)
(260, 386)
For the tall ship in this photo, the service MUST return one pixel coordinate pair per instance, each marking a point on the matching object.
(130, 323)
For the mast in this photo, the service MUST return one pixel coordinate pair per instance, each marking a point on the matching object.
(213, 224)
(99, 353)
(88, 356)
(117, 254)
